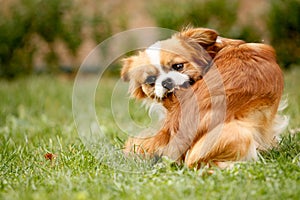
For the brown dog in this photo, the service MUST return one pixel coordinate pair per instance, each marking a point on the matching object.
(221, 97)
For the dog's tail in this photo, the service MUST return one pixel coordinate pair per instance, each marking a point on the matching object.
(281, 121)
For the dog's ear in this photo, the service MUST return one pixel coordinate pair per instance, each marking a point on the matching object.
(126, 63)
(135, 89)
(203, 36)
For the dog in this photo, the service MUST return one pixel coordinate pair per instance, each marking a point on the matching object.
(221, 96)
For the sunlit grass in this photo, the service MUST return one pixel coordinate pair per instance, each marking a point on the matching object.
(36, 118)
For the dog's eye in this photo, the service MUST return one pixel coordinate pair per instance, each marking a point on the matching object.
(178, 66)
(150, 80)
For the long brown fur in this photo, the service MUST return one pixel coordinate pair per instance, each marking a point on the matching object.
(216, 121)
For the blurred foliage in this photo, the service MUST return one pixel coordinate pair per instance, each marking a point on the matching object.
(220, 15)
(284, 27)
(24, 22)
(15, 31)
(283, 22)
(47, 20)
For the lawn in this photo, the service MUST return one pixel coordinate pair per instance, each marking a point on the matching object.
(36, 118)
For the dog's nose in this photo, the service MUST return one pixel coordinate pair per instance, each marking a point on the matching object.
(168, 84)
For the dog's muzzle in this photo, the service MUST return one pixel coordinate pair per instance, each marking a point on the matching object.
(168, 84)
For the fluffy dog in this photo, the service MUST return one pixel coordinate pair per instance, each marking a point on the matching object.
(221, 97)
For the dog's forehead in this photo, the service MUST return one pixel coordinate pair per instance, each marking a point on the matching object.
(161, 51)
(153, 53)
(171, 45)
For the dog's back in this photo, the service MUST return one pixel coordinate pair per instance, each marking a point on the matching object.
(251, 77)
(253, 84)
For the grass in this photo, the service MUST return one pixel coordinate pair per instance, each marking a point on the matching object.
(36, 118)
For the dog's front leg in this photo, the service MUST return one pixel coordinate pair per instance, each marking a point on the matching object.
(147, 145)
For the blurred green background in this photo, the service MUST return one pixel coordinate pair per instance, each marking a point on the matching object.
(53, 36)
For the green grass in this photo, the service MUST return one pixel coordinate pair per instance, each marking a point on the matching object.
(36, 118)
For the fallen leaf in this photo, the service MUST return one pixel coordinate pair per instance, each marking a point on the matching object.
(50, 156)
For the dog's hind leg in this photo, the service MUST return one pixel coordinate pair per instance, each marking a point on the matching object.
(227, 142)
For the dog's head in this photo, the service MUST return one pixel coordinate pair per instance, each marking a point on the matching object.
(170, 64)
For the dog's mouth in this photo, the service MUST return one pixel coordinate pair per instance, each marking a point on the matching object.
(171, 92)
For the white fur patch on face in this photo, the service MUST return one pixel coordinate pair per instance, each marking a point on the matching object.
(159, 90)
(153, 52)
(177, 78)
